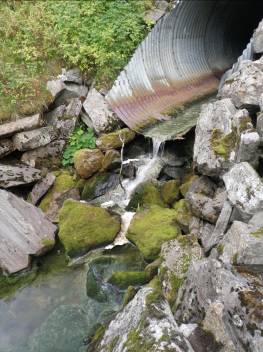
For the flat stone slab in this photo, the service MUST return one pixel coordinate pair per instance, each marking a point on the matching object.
(25, 124)
(24, 232)
(34, 139)
(16, 175)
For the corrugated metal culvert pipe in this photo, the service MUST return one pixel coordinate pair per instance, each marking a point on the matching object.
(183, 58)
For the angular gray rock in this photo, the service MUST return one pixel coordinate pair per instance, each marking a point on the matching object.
(16, 175)
(248, 148)
(34, 139)
(146, 323)
(258, 39)
(48, 156)
(243, 245)
(245, 86)
(52, 116)
(204, 201)
(24, 231)
(6, 147)
(41, 188)
(73, 109)
(260, 125)
(25, 124)
(103, 119)
(224, 303)
(73, 76)
(217, 138)
(244, 189)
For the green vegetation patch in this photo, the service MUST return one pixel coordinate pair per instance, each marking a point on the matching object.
(150, 228)
(97, 36)
(83, 227)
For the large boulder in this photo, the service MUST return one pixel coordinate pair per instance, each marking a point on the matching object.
(24, 232)
(152, 227)
(243, 245)
(83, 227)
(176, 256)
(34, 139)
(244, 189)
(225, 303)
(219, 134)
(145, 324)
(88, 161)
(115, 139)
(102, 117)
(16, 175)
(245, 86)
(25, 124)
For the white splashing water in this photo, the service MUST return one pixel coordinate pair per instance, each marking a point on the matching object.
(121, 239)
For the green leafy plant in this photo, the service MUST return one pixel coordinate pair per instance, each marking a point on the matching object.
(79, 139)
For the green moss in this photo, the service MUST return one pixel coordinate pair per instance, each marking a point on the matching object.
(258, 233)
(223, 145)
(83, 227)
(182, 214)
(187, 182)
(64, 182)
(146, 195)
(170, 191)
(152, 268)
(155, 284)
(96, 338)
(10, 284)
(124, 279)
(245, 124)
(114, 140)
(220, 248)
(150, 228)
(47, 242)
(129, 295)
(234, 258)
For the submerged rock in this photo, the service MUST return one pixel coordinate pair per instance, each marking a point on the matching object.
(115, 139)
(83, 227)
(123, 279)
(244, 189)
(88, 161)
(219, 141)
(16, 175)
(24, 232)
(145, 324)
(152, 227)
(103, 119)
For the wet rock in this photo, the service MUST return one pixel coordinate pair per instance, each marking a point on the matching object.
(25, 124)
(244, 86)
(115, 139)
(88, 161)
(73, 76)
(152, 227)
(24, 232)
(16, 175)
(34, 139)
(258, 39)
(244, 189)
(225, 302)
(129, 170)
(83, 227)
(111, 160)
(176, 256)
(144, 196)
(210, 237)
(204, 201)
(48, 156)
(146, 323)
(41, 188)
(170, 191)
(64, 187)
(103, 119)
(243, 245)
(6, 147)
(98, 185)
(219, 135)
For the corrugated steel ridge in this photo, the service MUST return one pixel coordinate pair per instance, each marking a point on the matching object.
(180, 60)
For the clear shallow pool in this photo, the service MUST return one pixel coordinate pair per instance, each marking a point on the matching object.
(63, 306)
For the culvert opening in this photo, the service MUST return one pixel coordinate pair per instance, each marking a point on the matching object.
(183, 58)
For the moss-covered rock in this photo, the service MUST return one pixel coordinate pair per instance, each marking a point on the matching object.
(63, 188)
(129, 295)
(145, 195)
(111, 160)
(88, 161)
(187, 182)
(170, 191)
(152, 227)
(114, 140)
(123, 279)
(83, 227)
(99, 184)
(183, 214)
